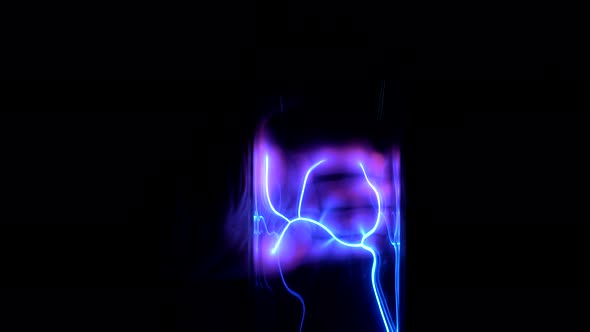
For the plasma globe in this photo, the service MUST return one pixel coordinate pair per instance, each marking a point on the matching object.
(290, 230)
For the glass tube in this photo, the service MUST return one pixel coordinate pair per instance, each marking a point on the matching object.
(327, 235)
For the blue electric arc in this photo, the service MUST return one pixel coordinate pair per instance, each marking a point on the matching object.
(380, 300)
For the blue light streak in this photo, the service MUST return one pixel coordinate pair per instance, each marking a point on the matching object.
(373, 282)
(305, 183)
(267, 192)
(294, 293)
(378, 206)
(396, 239)
(381, 303)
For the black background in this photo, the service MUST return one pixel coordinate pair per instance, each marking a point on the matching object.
(115, 193)
(115, 197)
(303, 39)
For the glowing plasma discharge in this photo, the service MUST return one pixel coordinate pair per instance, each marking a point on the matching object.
(276, 249)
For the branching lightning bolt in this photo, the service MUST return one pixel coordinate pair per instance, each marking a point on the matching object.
(389, 326)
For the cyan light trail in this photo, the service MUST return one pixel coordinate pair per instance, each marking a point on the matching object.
(382, 305)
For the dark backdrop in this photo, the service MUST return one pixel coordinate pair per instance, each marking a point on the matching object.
(115, 197)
